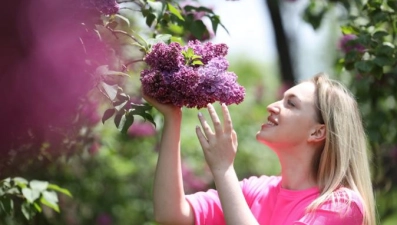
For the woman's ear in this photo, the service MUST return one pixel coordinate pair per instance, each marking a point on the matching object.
(318, 133)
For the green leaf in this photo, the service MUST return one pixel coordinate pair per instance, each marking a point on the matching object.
(150, 19)
(215, 21)
(164, 37)
(175, 11)
(380, 34)
(385, 49)
(196, 57)
(119, 105)
(197, 62)
(384, 61)
(12, 191)
(197, 28)
(123, 119)
(107, 114)
(38, 185)
(157, 8)
(122, 18)
(104, 71)
(117, 118)
(349, 30)
(129, 120)
(30, 194)
(59, 189)
(27, 210)
(37, 207)
(20, 180)
(364, 66)
(110, 90)
(53, 206)
(7, 205)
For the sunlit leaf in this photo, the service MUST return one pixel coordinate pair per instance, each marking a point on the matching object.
(38, 185)
(20, 180)
(157, 8)
(52, 205)
(59, 189)
(30, 194)
(175, 11)
(110, 90)
(122, 18)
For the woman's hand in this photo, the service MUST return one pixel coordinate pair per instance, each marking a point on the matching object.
(219, 146)
(167, 110)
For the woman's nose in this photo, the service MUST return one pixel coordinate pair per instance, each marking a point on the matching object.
(274, 107)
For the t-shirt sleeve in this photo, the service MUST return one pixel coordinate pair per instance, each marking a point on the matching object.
(207, 207)
(346, 210)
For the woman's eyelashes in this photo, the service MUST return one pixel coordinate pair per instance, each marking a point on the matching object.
(290, 103)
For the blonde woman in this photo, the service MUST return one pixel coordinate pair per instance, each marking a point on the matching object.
(317, 134)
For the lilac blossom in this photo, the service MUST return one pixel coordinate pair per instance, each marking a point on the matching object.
(141, 129)
(346, 44)
(106, 7)
(165, 57)
(171, 81)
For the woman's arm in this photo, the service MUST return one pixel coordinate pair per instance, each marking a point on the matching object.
(220, 149)
(170, 205)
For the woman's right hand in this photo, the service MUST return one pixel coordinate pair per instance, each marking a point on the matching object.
(167, 110)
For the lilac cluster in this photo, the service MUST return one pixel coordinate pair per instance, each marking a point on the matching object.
(171, 81)
(107, 7)
(346, 44)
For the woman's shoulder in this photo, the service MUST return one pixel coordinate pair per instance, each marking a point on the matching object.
(344, 199)
(262, 180)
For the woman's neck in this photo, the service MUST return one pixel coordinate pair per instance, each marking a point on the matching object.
(297, 171)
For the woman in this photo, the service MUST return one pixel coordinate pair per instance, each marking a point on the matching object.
(317, 134)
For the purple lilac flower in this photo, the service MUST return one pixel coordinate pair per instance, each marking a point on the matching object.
(346, 45)
(208, 50)
(170, 81)
(106, 7)
(165, 57)
(141, 129)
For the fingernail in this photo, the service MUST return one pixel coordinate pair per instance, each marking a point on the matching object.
(197, 127)
(199, 114)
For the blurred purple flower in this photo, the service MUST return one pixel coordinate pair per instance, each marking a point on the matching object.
(104, 219)
(89, 112)
(106, 7)
(192, 182)
(346, 44)
(141, 129)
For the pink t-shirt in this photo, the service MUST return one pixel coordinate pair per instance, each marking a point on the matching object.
(273, 205)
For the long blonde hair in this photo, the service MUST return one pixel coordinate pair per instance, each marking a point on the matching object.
(344, 160)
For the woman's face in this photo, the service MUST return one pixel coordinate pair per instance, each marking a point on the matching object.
(292, 119)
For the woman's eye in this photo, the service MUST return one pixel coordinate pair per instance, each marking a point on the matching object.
(289, 102)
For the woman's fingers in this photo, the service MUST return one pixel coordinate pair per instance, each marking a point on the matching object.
(227, 120)
(207, 129)
(202, 139)
(215, 119)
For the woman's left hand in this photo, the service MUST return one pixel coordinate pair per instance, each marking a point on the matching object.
(219, 146)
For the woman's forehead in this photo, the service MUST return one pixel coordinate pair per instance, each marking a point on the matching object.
(303, 91)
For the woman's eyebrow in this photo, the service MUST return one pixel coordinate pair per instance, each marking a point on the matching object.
(290, 95)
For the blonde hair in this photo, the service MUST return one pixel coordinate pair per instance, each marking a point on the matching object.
(343, 160)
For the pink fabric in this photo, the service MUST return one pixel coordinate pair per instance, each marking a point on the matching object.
(273, 205)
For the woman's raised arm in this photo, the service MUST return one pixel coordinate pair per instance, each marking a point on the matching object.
(170, 205)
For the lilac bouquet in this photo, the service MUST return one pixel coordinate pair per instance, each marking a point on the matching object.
(190, 76)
